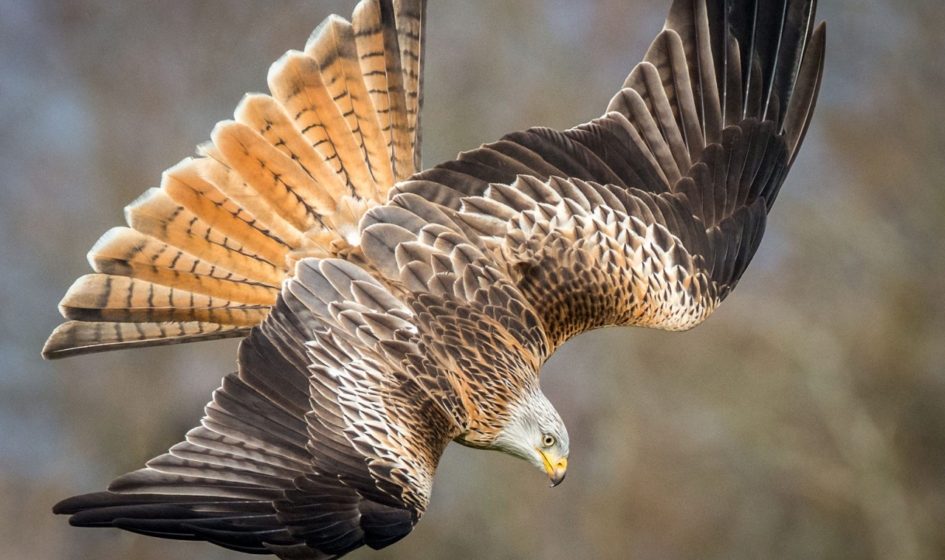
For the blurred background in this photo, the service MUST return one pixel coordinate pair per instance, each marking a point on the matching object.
(804, 419)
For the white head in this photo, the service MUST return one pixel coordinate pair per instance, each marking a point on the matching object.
(536, 433)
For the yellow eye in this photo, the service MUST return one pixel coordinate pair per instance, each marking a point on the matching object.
(548, 440)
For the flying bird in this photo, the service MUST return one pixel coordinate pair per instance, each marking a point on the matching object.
(387, 311)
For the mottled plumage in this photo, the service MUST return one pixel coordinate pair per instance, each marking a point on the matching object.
(388, 312)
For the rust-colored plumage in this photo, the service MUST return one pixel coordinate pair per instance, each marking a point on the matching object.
(290, 177)
(388, 312)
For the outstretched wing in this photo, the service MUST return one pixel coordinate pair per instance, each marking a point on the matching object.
(204, 255)
(320, 443)
(649, 214)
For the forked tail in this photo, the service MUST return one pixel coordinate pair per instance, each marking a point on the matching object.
(204, 255)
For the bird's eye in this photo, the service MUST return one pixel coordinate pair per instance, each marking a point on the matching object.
(548, 440)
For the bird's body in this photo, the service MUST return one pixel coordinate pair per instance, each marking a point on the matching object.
(388, 312)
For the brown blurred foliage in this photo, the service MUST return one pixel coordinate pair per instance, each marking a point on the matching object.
(805, 419)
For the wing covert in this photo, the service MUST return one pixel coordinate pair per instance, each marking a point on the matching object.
(649, 214)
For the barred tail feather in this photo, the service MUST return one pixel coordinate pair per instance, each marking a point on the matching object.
(411, 18)
(333, 46)
(289, 177)
(73, 338)
(380, 63)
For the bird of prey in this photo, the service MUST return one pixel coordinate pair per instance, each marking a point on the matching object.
(387, 311)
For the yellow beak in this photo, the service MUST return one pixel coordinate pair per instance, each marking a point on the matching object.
(556, 470)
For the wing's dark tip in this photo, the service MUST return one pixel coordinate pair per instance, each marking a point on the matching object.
(243, 525)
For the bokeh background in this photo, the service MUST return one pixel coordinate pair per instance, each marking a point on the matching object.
(804, 419)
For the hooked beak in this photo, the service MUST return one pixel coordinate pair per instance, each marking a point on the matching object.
(556, 470)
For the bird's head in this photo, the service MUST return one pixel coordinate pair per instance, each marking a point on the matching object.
(536, 433)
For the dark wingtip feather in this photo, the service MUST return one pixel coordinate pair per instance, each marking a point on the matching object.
(242, 525)
(807, 87)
